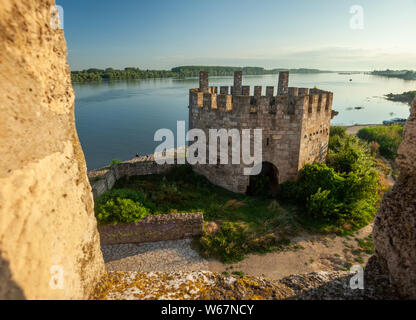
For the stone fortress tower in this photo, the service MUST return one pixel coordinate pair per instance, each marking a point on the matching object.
(295, 123)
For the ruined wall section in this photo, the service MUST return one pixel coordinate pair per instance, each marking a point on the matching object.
(127, 169)
(154, 228)
(284, 118)
(47, 223)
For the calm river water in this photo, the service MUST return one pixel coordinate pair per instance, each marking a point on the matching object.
(119, 119)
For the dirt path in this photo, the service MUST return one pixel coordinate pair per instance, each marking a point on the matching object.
(308, 254)
(390, 175)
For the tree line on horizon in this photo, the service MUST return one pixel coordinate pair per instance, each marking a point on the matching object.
(131, 73)
(401, 74)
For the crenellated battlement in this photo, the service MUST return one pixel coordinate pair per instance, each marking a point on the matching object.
(239, 98)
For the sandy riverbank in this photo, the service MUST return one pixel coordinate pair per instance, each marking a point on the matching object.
(355, 128)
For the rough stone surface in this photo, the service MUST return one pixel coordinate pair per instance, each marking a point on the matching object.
(333, 286)
(154, 228)
(295, 126)
(46, 208)
(197, 285)
(395, 225)
(127, 169)
(283, 83)
(154, 285)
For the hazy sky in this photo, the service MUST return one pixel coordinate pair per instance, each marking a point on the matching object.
(162, 34)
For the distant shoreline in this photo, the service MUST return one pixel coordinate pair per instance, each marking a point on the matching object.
(110, 74)
(405, 97)
(400, 74)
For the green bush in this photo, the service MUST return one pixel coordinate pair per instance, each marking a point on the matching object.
(348, 153)
(335, 197)
(338, 131)
(121, 211)
(321, 205)
(316, 176)
(227, 244)
(342, 190)
(234, 240)
(388, 137)
(122, 206)
(114, 162)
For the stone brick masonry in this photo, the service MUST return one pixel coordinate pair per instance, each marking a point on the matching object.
(154, 228)
(295, 125)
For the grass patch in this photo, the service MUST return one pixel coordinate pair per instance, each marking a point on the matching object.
(359, 260)
(238, 273)
(347, 266)
(366, 244)
(115, 162)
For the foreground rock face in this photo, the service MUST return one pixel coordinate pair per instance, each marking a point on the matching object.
(49, 244)
(205, 285)
(395, 224)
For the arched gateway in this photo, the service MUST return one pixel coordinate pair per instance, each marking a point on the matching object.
(266, 183)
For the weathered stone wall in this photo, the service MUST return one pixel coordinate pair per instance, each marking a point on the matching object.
(160, 227)
(283, 86)
(127, 169)
(46, 208)
(395, 225)
(315, 127)
(295, 126)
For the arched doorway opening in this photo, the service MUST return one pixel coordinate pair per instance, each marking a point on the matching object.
(266, 183)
